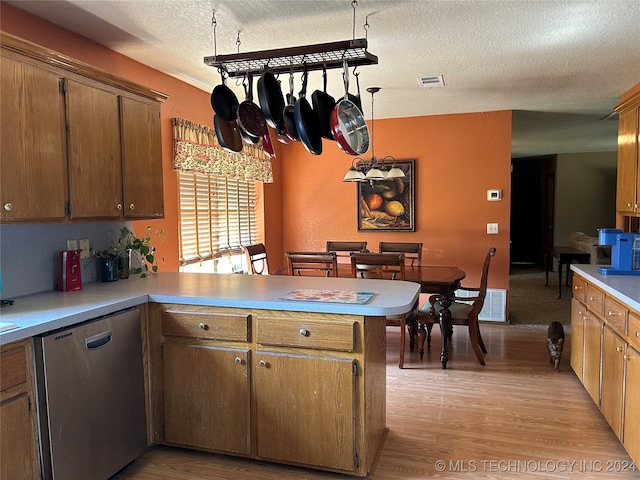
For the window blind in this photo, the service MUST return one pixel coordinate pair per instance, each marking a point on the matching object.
(217, 216)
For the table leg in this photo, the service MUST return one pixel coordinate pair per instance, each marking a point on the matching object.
(559, 279)
(546, 269)
(445, 329)
(568, 270)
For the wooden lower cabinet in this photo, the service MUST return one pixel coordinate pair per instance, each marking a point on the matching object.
(591, 358)
(19, 450)
(196, 414)
(305, 389)
(578, 312)
(631, 439)
(613, 351)
(610, 332)
(293, 408)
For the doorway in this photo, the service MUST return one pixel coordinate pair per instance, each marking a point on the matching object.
(532, 209)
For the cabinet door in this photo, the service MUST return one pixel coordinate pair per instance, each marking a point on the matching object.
(95, 172)
(305, 409)
(613, 350)
(141, 159)
(33, 158)
(631, 432)
(206, 397)
(591, 365)
(16, 441)
(626, 193)
(578, 311)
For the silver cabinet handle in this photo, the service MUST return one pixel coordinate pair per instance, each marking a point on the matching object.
(618, 349)
(8, 207)
(202, 326)
(638, 334)
(303, 332)
(119, 206)
(131, 206)
(237, 360)
(262, 363)
(611, 313)
(591, 299)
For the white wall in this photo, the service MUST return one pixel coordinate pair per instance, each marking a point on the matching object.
(585, 193)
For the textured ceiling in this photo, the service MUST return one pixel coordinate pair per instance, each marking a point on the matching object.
(560, 65)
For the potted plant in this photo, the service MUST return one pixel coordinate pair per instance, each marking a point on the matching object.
(129, 244)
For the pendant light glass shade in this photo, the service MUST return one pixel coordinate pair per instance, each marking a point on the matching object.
(373, 170)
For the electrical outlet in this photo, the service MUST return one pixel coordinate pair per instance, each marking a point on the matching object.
(83, 243)
(72, 245)
(492, 228)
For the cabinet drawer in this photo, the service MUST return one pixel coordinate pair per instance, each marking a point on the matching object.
(206, 324)
(594, 299)
(634, 329)
(316, 334)
(13, 367)
(616, 315)
(579, 288)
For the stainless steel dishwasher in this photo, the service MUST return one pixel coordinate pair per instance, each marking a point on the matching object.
(91, 397)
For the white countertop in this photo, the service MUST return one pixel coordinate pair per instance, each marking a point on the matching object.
(43, 312)
(625, 287)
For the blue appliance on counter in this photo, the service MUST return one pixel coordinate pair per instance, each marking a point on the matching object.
(625, 251)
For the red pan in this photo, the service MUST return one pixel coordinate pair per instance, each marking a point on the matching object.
(347, 122)
(249, 116)
(267, 145)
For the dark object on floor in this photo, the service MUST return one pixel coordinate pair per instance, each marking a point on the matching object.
(555, 342)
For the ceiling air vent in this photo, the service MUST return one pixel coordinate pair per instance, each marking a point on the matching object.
(431, 81)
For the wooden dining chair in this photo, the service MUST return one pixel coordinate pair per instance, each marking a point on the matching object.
(315, 264)
(412, 251)
(257, 259)
(390, 266)
(343, 249)
(464, 311)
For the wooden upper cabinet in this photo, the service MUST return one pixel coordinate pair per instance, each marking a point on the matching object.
(141, 159)
(628, 183)
(33, 166)
(95, 174)
(77, 143)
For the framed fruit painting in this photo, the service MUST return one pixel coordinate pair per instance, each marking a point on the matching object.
(388, 205)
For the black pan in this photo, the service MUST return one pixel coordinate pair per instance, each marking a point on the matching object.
(271, 100)
(249, 116)
(290, 127)
(323, 104)
(223, 101)
(228, 134)
(307, 121)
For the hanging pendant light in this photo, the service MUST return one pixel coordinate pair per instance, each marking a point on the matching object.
(374, 169)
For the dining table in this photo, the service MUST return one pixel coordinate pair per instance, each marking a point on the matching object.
(434, 279)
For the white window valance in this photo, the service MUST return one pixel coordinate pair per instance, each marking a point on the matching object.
(196, 149)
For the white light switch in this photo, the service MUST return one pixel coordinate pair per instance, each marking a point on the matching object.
(72, 244)
(492, 228)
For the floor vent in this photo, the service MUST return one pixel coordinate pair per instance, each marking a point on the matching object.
(495, 305)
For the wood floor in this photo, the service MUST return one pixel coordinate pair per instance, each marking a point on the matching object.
(513, 418)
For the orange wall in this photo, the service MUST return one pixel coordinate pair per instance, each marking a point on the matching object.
(458, 158)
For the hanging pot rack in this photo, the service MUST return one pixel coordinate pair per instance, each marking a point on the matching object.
(293, 59)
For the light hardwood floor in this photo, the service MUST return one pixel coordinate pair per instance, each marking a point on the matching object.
(513, 418)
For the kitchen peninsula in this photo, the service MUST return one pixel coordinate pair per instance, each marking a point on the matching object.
(233, 367)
